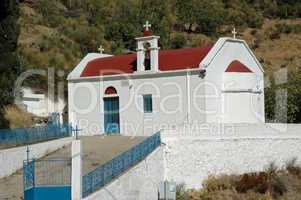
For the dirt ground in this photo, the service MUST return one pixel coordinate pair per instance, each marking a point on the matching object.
(96, 150)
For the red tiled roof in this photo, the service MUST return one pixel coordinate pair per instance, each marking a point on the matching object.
(236, 66)
(169, 60)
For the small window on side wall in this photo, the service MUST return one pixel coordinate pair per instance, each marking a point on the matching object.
(147, 103)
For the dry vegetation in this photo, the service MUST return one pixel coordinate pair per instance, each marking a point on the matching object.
(272, 184)
(17, 118)
(55, 40)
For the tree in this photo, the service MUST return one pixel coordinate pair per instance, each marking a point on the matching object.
(210, 16)
(9, 65)
(206, 15)
(286, 106)
(178, 41)
(187, 12)
(124, 26)
(160, 15)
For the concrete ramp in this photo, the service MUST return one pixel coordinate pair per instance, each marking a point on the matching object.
(98, 150)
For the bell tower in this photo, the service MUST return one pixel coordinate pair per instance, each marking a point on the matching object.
(147, 51)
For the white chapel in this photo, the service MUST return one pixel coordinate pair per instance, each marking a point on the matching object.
(143, 92)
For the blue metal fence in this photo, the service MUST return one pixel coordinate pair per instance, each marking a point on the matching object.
(47, 179)
(23, 136)
(105, 173)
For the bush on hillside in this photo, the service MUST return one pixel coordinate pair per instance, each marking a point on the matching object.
(271, 184)
(178, 41)
(292, 167)
(17, 118)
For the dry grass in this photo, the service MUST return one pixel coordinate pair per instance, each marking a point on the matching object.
(284, 50)
(18, 118)
(271, 184)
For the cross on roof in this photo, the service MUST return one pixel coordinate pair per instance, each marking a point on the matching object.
(101, 49)
(147, 25)
(234, 33)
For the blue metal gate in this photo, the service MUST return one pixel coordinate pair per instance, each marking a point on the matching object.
(47, 179)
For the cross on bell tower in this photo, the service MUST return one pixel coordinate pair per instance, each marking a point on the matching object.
(234, 33)
(101, 49)
(147, 50)
(147, 25)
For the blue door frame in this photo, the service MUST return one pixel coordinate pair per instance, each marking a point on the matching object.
(111, 115)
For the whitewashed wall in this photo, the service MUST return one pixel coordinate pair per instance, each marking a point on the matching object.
(12, 159)
(139, 183)
(85, 106)
(190, 159)
(170, 102)
(228, 107)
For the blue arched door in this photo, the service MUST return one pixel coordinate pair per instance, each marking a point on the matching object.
(111, 115)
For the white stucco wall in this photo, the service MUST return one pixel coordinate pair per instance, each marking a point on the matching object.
(191, 158)
(12, 159)
(216, 62)
(138, 183)
(169, 94)
(85, 106)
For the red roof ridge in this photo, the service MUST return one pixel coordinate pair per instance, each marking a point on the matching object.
(237, 66)
(169, 60)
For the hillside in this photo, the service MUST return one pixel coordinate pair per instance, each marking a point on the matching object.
(59, 33)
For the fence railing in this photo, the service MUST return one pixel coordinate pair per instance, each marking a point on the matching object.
(105, 173)
(48, 172)
(23, 136)
(47, 179)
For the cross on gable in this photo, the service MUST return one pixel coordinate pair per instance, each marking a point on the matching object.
(101, 49)
(234, 33)
(147, 25)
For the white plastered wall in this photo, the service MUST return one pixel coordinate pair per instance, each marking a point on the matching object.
(172, 104)
(84, 107)
(223, 53)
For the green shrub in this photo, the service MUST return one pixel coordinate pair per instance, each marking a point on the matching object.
(178, 41)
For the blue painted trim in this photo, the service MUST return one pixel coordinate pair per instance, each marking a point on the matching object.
(48, 193)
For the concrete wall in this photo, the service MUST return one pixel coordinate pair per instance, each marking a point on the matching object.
(12, 159)
(190, 159)
(139, 183)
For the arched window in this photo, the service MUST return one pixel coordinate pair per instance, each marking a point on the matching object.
(110, 90)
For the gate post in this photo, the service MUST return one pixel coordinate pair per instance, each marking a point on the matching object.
(76, 185)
